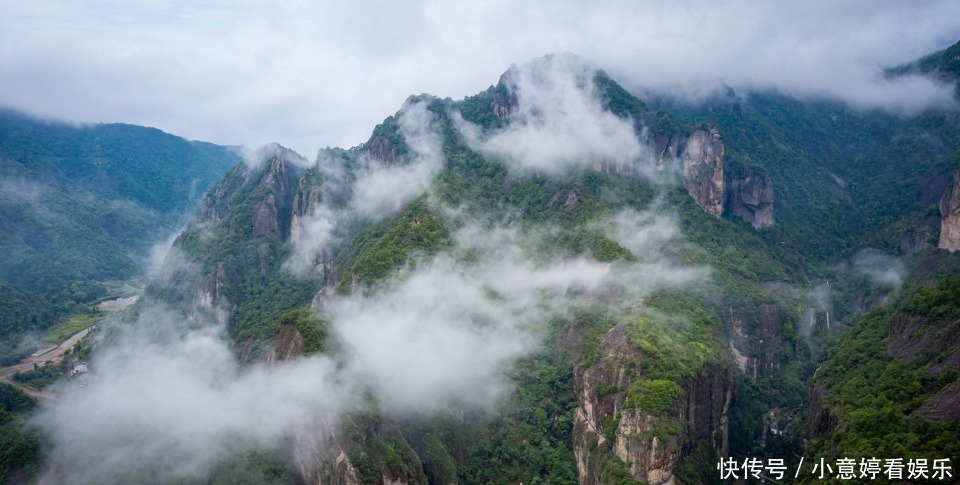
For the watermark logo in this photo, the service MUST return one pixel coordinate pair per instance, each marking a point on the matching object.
(774, 469)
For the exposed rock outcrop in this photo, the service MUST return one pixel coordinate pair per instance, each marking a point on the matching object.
(266, 218)
(745, 191)
(755, 339)
(613, 167)
(821, 419)
(305, 201)
(570, 199)
(379, 149)
(665, 148)
(944, 405)
(504, 104)
(703, 170)
(750, 195)
(950, 215)
(322, 460)
(218, 202)
(917, 238)
(278, 180)
(255, 196)
(280, 175)
(920, 340)
(648, 445)
(287, 345)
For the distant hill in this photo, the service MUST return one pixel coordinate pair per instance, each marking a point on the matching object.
(82, 204)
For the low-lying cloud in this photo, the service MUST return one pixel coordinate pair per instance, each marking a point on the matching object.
(169, 399)
(20, 191)
(256, 158)
(645, 234)
(559, 122)
(170, 407)
(381, 190)
(879, 268)
(371, 192)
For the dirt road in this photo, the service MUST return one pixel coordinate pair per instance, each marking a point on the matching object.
(6, 373)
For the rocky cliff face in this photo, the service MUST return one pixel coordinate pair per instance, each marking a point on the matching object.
(650, 446)
(665, 148)
(613, 167)
(278, 180)
(305, 202)
(950, 215)
(918, 335)
(750, 195)
(266, 218)
(504, 104)
(755, 339)
(321, 460)
(718, 187)
(380, 150)
(703, 170)
(744, 191)
(270, 182)
(219, 201)
(821, 419)
(254, 199)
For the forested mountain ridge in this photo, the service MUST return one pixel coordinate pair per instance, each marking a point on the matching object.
(623, 375)
(81, 205)
(743, 159)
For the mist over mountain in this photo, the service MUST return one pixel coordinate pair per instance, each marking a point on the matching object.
(550, 281)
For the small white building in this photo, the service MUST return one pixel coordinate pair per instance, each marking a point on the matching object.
(79, 368)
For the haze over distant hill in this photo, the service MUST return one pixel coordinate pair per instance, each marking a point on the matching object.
(81, 205)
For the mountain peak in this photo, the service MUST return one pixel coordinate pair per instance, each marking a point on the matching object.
(272, 152)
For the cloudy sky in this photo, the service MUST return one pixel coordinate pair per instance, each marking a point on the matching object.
(314, 74)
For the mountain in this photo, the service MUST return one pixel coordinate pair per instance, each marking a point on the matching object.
(81, 205)
(944, 65)
(551, 281)
(610, 377)
(842, 180)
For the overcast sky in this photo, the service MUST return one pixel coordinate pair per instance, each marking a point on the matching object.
(314, 74)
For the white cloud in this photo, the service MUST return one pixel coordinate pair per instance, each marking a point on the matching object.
(170, 399)
(373, 191)
(878, 268)
(381, 190)
(644, 234)
(559, 122)
(270, 151)
(315, 74)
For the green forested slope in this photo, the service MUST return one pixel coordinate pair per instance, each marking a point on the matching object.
(889, 387)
